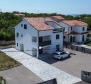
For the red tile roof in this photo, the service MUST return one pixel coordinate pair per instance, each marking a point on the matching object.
(75, 23)
(40, 23)
(58, 17)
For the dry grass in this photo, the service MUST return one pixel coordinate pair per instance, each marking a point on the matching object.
(7, 62)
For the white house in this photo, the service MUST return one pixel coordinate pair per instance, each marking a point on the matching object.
(75, 30)
(39, 35)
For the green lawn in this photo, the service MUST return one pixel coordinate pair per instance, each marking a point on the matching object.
(6, 62)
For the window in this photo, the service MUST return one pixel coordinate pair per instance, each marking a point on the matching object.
(83, 28)
(21, 25)
(57, 36)
(34, 52)
(21, 35)
(17, 44)
(17, 34)
(57, 47)
(83, 38)
(71, 28)
(34, 39)
(25, 26)
(46, 38)
(64, 29)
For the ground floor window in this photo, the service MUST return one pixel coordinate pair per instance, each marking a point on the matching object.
(17, 44)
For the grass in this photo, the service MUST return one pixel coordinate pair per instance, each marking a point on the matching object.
(89, 44)
(7, 62)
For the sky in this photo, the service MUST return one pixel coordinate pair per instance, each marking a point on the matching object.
(47, 6)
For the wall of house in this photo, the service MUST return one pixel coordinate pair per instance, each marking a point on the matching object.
(79, 29)
(25, 37)
(52, 48)
(57, 41)
(79, 38)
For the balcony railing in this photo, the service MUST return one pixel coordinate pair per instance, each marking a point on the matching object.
(56, 30)
(45, 43)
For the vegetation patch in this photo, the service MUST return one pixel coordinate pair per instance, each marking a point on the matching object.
(7, 62)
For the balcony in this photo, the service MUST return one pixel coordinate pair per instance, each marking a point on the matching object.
(57, 30)
(45, 43)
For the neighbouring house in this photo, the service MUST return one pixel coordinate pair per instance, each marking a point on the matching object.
(58, 18)
(20, 14)
(75, 31)
(38, 35)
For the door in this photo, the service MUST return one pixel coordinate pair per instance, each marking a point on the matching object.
(41, 51)
(57, 47)
(83, 38)
(40, 39)
(72, 39)
(21, 47)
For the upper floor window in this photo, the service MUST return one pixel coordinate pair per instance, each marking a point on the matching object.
(83, 28)
(21, 35)
(71, 28)
(57, 36)
(25, 26)
(21, 25)
(17, 34)
(34, 39)
(64, 29)
(46, 38)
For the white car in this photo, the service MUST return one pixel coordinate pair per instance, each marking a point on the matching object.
(61, 55)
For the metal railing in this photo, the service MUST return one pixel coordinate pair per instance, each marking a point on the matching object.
(45, 43)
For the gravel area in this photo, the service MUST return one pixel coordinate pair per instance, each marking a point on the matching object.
(78, 61)
(20, 75)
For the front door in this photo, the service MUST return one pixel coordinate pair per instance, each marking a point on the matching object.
(21, 47)
(72, 39)
(57, 47)
(40, 51)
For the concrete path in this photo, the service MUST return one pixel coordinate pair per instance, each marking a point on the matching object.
(40, 68)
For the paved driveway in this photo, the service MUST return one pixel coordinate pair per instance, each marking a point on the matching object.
(40, 68)
(78, 61)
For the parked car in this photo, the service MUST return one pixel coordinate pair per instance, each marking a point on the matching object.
(61, 55)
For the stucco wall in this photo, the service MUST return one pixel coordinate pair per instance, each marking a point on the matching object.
(26, 40)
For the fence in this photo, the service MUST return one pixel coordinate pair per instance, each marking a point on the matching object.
(78, 48)
(5, 43)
